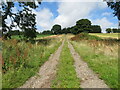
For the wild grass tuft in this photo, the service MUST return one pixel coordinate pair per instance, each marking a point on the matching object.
(21, 60)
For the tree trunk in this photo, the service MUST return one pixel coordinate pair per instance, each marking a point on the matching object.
(118, 24)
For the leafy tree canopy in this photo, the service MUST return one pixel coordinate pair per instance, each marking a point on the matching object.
(116, 7)
(24, 18)
(56, 29)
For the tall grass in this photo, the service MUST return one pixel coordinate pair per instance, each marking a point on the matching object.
(101, 56)
(22, 60)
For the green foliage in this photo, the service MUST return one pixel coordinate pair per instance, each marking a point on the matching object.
(95, 29)
(108, 30)
(48, 32)
(85, 36)
(66, 74)
(74, 30)
(22, 60)
(116, 30)
(65, 31)
(116, 7)
(56, 29)
(82, 25)
(15, 32)
(24, 18)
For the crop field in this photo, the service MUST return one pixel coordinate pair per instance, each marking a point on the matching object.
(23, 60)
(107, 35)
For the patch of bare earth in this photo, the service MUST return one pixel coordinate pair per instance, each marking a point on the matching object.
(46, 73)
(88, 78)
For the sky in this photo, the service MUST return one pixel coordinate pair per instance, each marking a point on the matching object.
(66, 13)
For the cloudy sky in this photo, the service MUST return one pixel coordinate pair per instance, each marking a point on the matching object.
(66, 13)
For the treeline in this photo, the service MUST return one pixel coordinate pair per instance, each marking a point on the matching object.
(114, 30)
(83, 25)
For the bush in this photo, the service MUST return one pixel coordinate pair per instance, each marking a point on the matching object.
(85, 36)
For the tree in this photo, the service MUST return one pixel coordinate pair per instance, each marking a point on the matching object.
(83, 25)
(115, 30)
(65, 31)
(116, 7)
(74, 30)
(48, 32)
(95, 29)
(109, 30)
(56, 29)
(22, 18)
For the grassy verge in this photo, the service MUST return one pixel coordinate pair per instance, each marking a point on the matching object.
(22, 60)
(66, 75)
(104, 64)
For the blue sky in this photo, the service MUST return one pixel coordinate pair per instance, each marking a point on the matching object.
(67, 13)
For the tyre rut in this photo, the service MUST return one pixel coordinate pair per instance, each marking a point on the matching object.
(46, 73)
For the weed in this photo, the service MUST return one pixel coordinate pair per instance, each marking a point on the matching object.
(21, 60)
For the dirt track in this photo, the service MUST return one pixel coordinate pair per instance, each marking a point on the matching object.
(88, 78)
(46, 72)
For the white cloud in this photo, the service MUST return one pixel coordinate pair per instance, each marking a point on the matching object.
(8, 21)
(72, 0)
(14, 9)
(44, 18)
(104, 23)
(102, 5)
(106, 14)
(69, 12)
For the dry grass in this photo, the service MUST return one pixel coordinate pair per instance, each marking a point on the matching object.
(21, 60)
(106, 35)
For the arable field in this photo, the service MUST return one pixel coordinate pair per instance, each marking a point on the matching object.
(106, 35)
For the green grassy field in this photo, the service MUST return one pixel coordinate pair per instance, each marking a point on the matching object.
(66, 76)
(22, 60)
(102, 59)
(106, 35)
(41, 36)
(38, 36)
